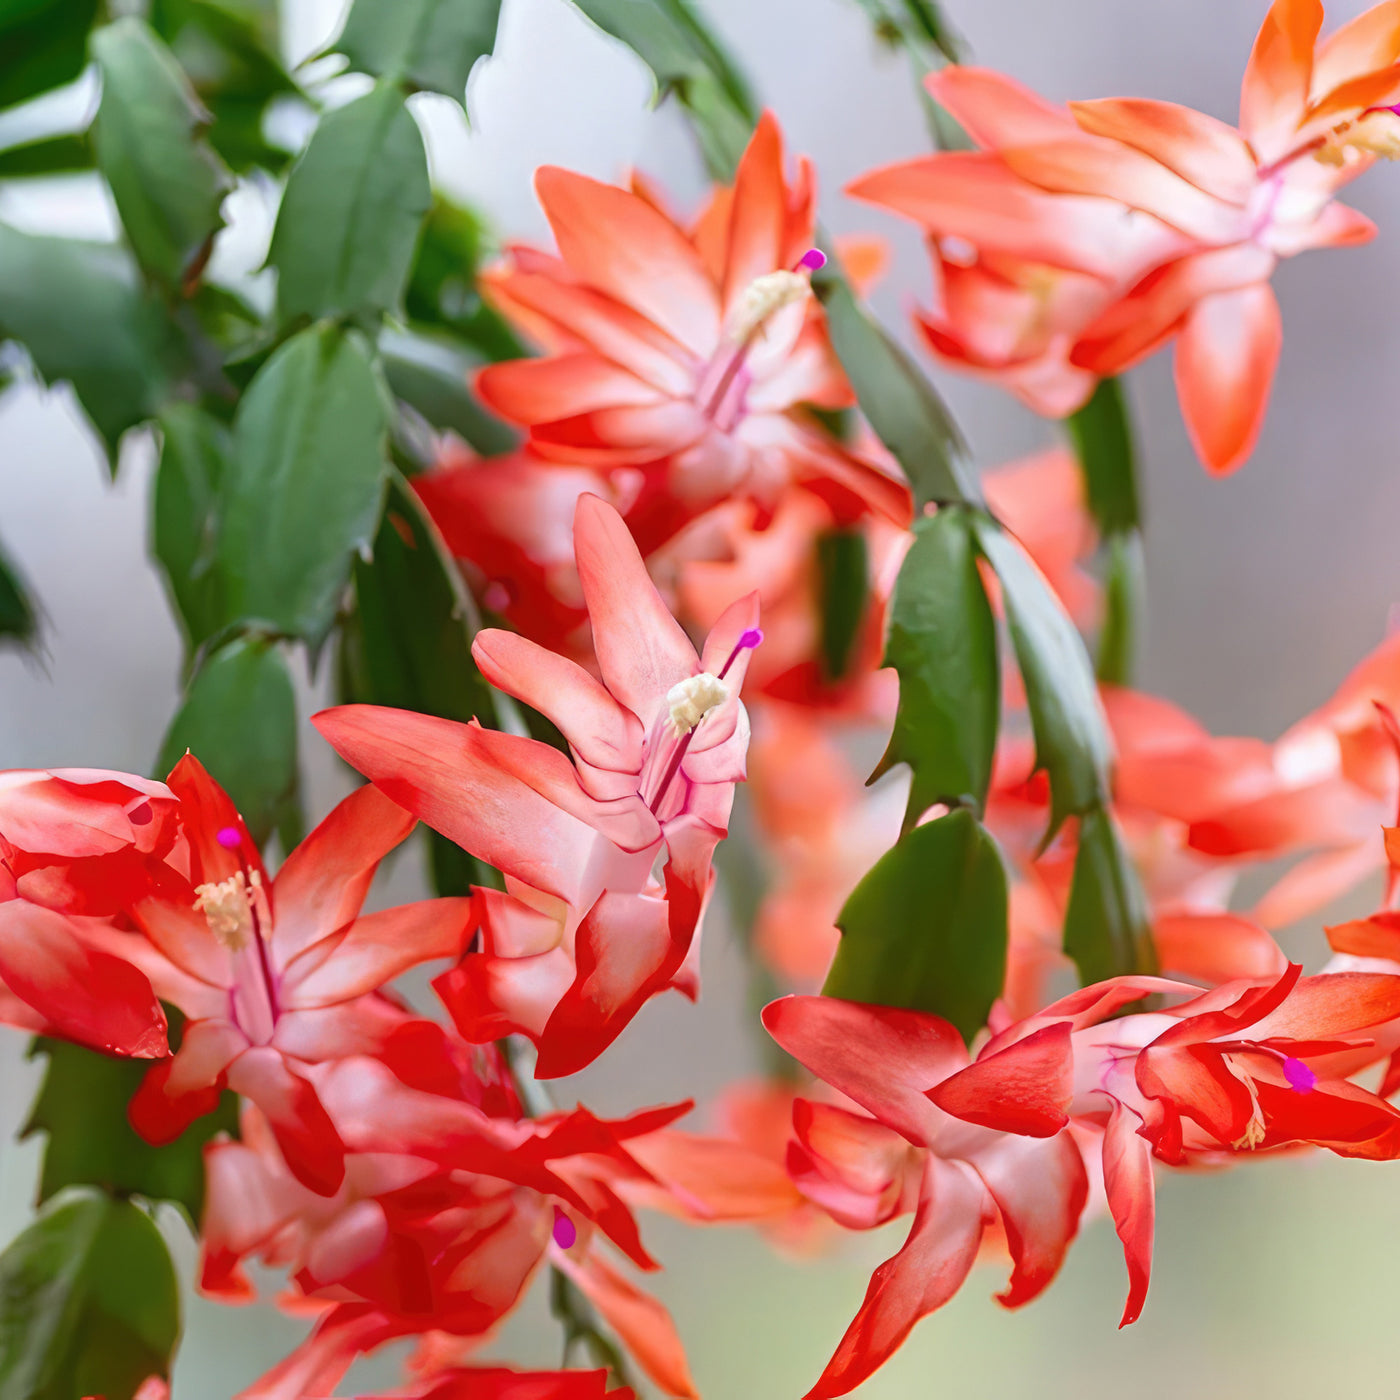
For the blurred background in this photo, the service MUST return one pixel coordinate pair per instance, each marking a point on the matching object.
(1263, 590)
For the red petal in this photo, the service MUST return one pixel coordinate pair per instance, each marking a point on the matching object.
(1025, 1088)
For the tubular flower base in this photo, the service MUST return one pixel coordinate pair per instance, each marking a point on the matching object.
(584, 933)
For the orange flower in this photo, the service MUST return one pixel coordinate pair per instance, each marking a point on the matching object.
(700, 346)
(1054, 285)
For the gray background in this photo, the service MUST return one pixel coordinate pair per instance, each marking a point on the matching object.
(1264, 590)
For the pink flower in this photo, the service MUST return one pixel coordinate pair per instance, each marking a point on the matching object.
(584, 933)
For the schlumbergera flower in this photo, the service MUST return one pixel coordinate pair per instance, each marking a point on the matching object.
(697, 352)
(1235, 1071)
(74, 844)
(452, 1203)
(273, 974)
(586, 929)
(1076, 241)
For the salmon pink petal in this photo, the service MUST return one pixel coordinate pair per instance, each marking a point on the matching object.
(757, 212)
(642, 650)
(1216, 947)
(180, 933)
(644, 1326)
(374, 950)
(323, 882)
(1138, 324)
(1088, 165)
(1376, 937)
(927, 1272)
(599, 730)
(436, 769)
(995, 110)
(1225, 360)
(1337, 226)
(624, 954)
(1206, 152)
(304, 1132)
(539, 391)
(243, 1209)
(1127, 1174)
(206, 810)
(1274, 94)
(1025, 1088)
(83, 994)
(630, 435)
(881, 1057)
(1362, 45)
(342, 1333)
(630, 250)
(586, 319)
(1040, 1189)
(1331, 1004)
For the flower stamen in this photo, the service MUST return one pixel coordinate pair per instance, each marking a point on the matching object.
(227, 906)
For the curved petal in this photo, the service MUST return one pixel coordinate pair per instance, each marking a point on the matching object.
(176, 1092)
(435, 769)
(323, 883)
(1225, 359)
(1025, 1088)
(1364, 44)
(1274, 93)
(995, 110)
(624, 954)
(644, 1326)
(310, 1144)
(1127, 1176)
(881, 1057)
(600, 731)
(757, 212)
(926, 1273)
(560, 386)
(1216, 947)
(628, 248)
(83, 994)
(642, 650)
(1208, 153)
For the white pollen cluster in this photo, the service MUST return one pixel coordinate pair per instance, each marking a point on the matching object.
(1374, 134)
(692, 699)
(762, 298)
(228, 909)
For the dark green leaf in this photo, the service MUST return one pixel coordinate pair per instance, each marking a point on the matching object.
(430, 374)
(442, 284)
(1108, 931)
(81, 1109)
(193, 460)
(943, 643)
(349, 220)
(167, 183)
(843, 585)
(54, 155)
(1123, 609)
(89, 1302)
(668, 36)
(927, 927)
(44, 43)
(229, 49)
(79, 310)
(902, 406)
(431, 44)
(1103, 440)
(415, 621)
(1071, 734)
(17, 618)
(239, 719)
(305, 484)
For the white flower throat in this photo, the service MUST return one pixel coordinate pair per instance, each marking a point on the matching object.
(690, 700)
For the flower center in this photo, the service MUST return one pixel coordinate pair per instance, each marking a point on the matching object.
(1375, 133)
(227, 907)
(759, 302)
(690, 700)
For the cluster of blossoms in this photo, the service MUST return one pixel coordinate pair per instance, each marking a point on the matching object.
(687, 453)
